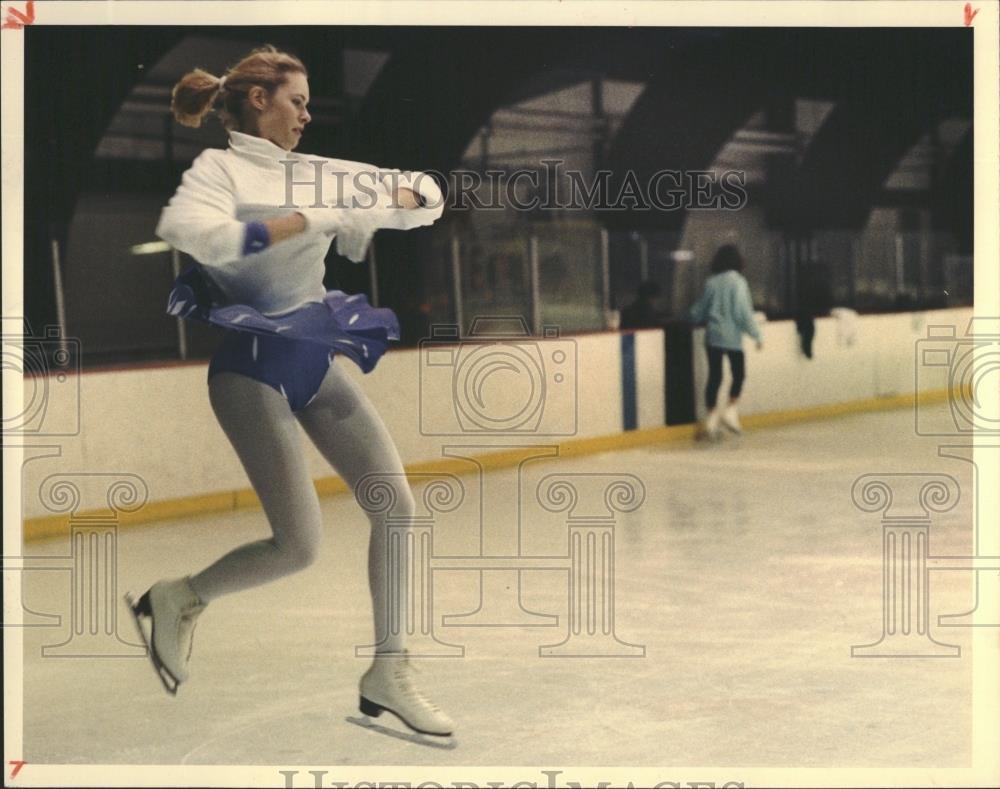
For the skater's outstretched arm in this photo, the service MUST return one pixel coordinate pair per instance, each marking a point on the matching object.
(394, 200)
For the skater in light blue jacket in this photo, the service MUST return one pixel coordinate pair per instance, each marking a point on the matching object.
(725, 309)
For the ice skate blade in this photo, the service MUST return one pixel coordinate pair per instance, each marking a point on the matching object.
(738, 431)
(141, 609)
(445, 743)
(372, 710)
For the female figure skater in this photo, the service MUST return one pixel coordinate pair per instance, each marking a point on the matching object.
(260, 274)
(726, 310)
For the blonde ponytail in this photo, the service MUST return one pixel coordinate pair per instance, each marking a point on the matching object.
(192, 98)
(197, 92)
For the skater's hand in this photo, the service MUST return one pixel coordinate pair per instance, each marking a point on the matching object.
(407, 198)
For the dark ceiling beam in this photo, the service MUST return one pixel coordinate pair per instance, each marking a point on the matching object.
(434, 94)
(441, 87)
(888, 87)
(66, 114)
(953, 208)
(913, 82)
(696, 102)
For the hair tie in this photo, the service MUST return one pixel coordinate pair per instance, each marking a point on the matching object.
(222, 83)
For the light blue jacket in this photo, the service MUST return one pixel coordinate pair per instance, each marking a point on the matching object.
(726, 311)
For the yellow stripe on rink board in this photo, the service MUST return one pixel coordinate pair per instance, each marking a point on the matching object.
(56, 525)
(228, 501)
(841, 409)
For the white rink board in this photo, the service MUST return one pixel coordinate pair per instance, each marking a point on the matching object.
(878, 363)
(157, 423)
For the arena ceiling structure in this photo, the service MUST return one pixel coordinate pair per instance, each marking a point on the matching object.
(420, 95)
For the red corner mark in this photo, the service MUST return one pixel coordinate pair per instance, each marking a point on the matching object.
(969, 14)
(15, 21)
(17, 764)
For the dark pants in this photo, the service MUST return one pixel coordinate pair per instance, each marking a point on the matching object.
(807, 330)
(736, 367)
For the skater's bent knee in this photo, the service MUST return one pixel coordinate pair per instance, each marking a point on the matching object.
(304, 555)
(298, 554)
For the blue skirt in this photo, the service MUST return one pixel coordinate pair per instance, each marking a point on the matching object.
(340, 323)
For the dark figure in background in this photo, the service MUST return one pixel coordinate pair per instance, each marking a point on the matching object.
(813, 299)
(643, 313)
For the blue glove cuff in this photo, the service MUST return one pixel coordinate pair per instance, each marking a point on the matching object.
(255, 238)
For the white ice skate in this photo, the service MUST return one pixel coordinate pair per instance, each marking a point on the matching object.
(710, 428)
(731, 419)
(172, 608)
(388, 686)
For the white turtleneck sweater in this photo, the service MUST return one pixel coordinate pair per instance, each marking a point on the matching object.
(225, 189)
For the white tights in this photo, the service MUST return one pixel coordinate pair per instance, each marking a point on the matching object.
(347, 430)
